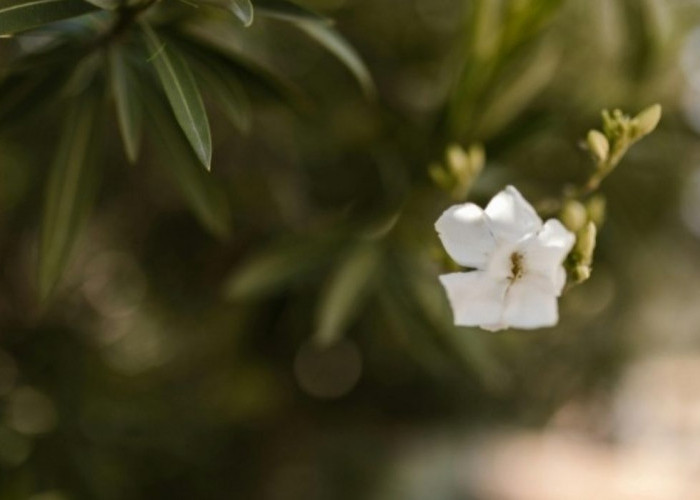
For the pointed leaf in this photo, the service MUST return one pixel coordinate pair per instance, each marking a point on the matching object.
(288, 11)
(204, 193)
(517, 92)
(182, 92)
(68, 191)
(344, 292)
(21, 15)
(106, 4)
(129, 108)
(243, 10)
(227, 93)
(332, 41)
(209, 39)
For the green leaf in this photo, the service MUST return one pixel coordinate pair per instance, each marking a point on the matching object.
(129, 108)
(68, 194)
(288, 11)
(340, 48)
(204, 193)
(227, 93)
(106, 4)
(243, 10)
(21, 15)
(83, 74)
(344, 293)
(182, 92)
(273, 269)
(211, 38)
(516, 92)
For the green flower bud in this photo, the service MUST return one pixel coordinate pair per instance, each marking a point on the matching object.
(457, 161)
(477, 159)
(585, 243)
(581, 273)
(646, 121)
(598, 144)
(608, 123)
(439, 176)
(596, 209)
(574, 215)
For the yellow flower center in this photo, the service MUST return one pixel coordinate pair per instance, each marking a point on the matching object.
(516, 267)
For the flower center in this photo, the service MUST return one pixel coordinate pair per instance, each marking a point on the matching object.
(516, 267)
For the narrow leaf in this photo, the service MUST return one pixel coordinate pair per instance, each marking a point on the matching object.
(243, 10)
(213, 39)
(106, 4)
(129, 109)
(182, 92)
(21, 15)
(288, 11)
(227, 92)
(340, 48)
(517, 92)
(68, 192)
(344, 292)
(204, 193)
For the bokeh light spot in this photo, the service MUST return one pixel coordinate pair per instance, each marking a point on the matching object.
(114, 285)
(330, 372)
(30, 412)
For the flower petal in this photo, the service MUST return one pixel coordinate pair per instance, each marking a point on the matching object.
(475, 298)
(510, 215)
(545, 253)
(465, 234)
(529, 304)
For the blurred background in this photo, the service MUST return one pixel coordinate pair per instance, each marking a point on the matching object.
(174, 364)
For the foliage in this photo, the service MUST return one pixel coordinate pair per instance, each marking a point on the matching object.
(120, 43)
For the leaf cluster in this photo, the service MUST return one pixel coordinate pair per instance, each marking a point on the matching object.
(159, 63)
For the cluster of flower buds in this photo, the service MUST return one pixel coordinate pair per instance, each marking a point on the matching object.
(460, 170)
(584, 220)
(619, 133)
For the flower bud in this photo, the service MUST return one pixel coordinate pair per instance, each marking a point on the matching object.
(585, 243)
(574, 215)
(598, 144)
(608, 122)
(439, 176)
(477, 159)
(457, 161)
(647, 120)
(581, 273)
(596, 210)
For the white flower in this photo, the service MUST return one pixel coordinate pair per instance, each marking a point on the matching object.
(517, 261)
